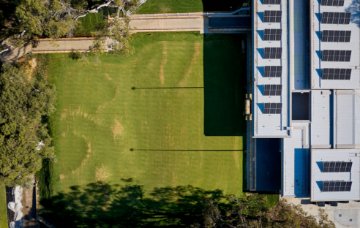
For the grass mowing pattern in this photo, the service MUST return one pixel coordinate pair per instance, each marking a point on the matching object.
(99, 116)
(3, 207)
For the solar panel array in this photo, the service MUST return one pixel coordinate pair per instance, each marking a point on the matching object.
(273, 71)
(273, 53)
(336, 166)
(332, 2)
(272, 16)
(336, 55)
(336, 186)
(336, 74)
(272, 34)
(272, 90)
(335, 18)
(273, 2)
(272, 108)
(335, 36)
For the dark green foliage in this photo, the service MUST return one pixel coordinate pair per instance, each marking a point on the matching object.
(24, 101)
(104, 205)
(75, 55)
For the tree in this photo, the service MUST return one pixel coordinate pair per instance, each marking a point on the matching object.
(24, 139)
(104, 205)
(354, 9)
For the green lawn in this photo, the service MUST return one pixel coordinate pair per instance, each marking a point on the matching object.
(171, 6)
(89, 24)
(3, 208)
(104, 129)
(187, 6)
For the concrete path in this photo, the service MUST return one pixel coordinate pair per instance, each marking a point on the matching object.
(173, 22)
(167, 22)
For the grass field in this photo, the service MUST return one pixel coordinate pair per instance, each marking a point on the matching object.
(3, 209)
(186, 6)
(88, 25)
(141, 116)
(173, 6)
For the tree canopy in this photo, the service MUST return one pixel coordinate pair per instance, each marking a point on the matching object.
(104, 205)
(26, 99)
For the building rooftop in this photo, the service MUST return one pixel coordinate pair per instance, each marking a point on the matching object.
(306, 91)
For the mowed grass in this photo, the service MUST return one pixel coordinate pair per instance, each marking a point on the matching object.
(187, 6)
(170, 6)
(3, 207)
(105, 130)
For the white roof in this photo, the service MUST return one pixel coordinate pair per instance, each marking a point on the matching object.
(317, 46)
(317, 175)
(269, 125)
(346, 119)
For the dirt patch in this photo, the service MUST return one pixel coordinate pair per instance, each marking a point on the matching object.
(194, 58)
(27, 198)
(163, 63)
(117, 129)
(102, 173)
(107, 77)
(30, 69)
(62, 176)
(78, 112)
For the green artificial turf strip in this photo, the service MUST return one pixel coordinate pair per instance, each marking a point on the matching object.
(3, 207)
(170, 6)
(104, 129)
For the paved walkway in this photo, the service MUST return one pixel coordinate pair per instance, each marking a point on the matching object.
(167, 22)
(344, 215)
(174, 22)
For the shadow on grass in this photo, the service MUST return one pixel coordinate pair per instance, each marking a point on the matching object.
(224, 5)
(104, 205)
(224, 84)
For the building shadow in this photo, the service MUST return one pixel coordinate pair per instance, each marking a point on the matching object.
(224, 5)
(224, 84)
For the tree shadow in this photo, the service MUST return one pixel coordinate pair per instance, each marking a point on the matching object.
(224, 84)
(104, 205)
(224, 5)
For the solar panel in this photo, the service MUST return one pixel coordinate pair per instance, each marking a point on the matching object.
(336, 166)
(335, 18)
(332, 2)
(272, 108)
(272, 90)
(273, 71)
(272, 53)
(272, 16)
(335, 36)
(336, 186)
(272, 34)
(336, 74)
(336, 55)
(273, 2)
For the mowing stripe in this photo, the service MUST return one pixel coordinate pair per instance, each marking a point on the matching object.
(136, 149)
(134, 88)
